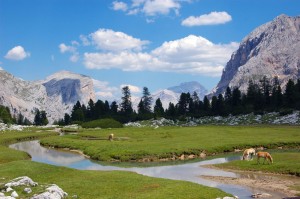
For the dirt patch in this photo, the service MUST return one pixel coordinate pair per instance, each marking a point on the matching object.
(268, 182)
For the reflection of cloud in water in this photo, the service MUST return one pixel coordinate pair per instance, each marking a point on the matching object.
(50, 156)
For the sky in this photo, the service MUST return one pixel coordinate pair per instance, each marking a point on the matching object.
(152, 43)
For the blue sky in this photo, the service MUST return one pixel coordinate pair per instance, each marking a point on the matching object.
(153, 43)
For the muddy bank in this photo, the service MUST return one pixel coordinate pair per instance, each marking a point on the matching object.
(268, 182)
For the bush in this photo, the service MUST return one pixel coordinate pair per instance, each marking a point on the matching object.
(102, 123)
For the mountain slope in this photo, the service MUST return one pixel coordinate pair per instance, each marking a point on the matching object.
(271, 50)
(56, 95)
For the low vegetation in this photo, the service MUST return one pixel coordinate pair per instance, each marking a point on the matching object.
(136, 144)
(90, 184)
(284, 163)
(102, 123)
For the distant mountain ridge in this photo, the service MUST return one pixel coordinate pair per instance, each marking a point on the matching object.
(271, 50)
(56, 95)
(172, 94)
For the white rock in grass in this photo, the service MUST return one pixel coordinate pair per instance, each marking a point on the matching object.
(1, 194)
(9, 189)
(6, 197)
(14, 194)
(52, 192)
(27, 190)
(24, 180)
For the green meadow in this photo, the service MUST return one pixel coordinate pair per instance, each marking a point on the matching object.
(132, 144)
(89, 184)
(284, 163)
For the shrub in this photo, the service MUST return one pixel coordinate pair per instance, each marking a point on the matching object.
(102, 123)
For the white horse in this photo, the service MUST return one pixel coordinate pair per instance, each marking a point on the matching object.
(248, 152)
(111, 137)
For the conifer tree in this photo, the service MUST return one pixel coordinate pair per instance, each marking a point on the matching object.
(126, 105)
(158, 108)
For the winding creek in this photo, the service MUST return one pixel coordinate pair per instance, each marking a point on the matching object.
(189, 171)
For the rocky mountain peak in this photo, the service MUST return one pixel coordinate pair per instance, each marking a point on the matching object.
(273, 49)
(56, 95)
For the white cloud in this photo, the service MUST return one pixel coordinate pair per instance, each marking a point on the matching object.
(119, 5)
(1, 68)
(64, 48)
(85, 41)
(192, 54)
(104, 91)
(106, 39)
(212, 18)
(17, 53)
(133, 89)
(70, 49)
(150, 7)
(154, 7)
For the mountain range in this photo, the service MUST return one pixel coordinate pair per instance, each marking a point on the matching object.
(58, 93)
(271, 50)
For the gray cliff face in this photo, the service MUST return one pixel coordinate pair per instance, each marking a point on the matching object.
(271, 50)
(56, 95)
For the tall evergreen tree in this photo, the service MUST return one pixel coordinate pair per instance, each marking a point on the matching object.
(158, 108)
(114, 108)
(171, 111)
(147, 100)
(126, 105)
(141, 107)
(183, 103)
(289, 95)
(214, 105)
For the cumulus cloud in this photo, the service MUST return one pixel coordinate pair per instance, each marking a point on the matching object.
(70, 49)
(64, 48)
(212, 18)
(133, 89)
(192, 54)
(17, 53)
(119, 5)
(104, 91)
(154, 7)
(150, 7)
(106, 39)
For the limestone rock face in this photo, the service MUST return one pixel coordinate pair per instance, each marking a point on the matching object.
(56, 95)
(271, 50)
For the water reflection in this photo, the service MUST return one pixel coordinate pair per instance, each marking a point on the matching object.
(189, 172)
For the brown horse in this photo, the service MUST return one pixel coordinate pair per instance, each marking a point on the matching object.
(248, 152)
(264, 155)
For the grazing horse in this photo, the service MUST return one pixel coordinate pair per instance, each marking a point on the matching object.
(264, 155)
(248, 152)
(111, 137)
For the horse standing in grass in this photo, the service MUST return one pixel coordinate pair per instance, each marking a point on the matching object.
(248, 152)
(111, 137)
(264, 155)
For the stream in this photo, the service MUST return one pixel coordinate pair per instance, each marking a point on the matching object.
(188, 172)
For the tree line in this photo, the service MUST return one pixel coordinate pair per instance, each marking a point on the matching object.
(262, 96)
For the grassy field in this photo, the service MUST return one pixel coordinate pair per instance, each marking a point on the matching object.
(105, 184)
(90, 184)
(137, 143)
(284, 163)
